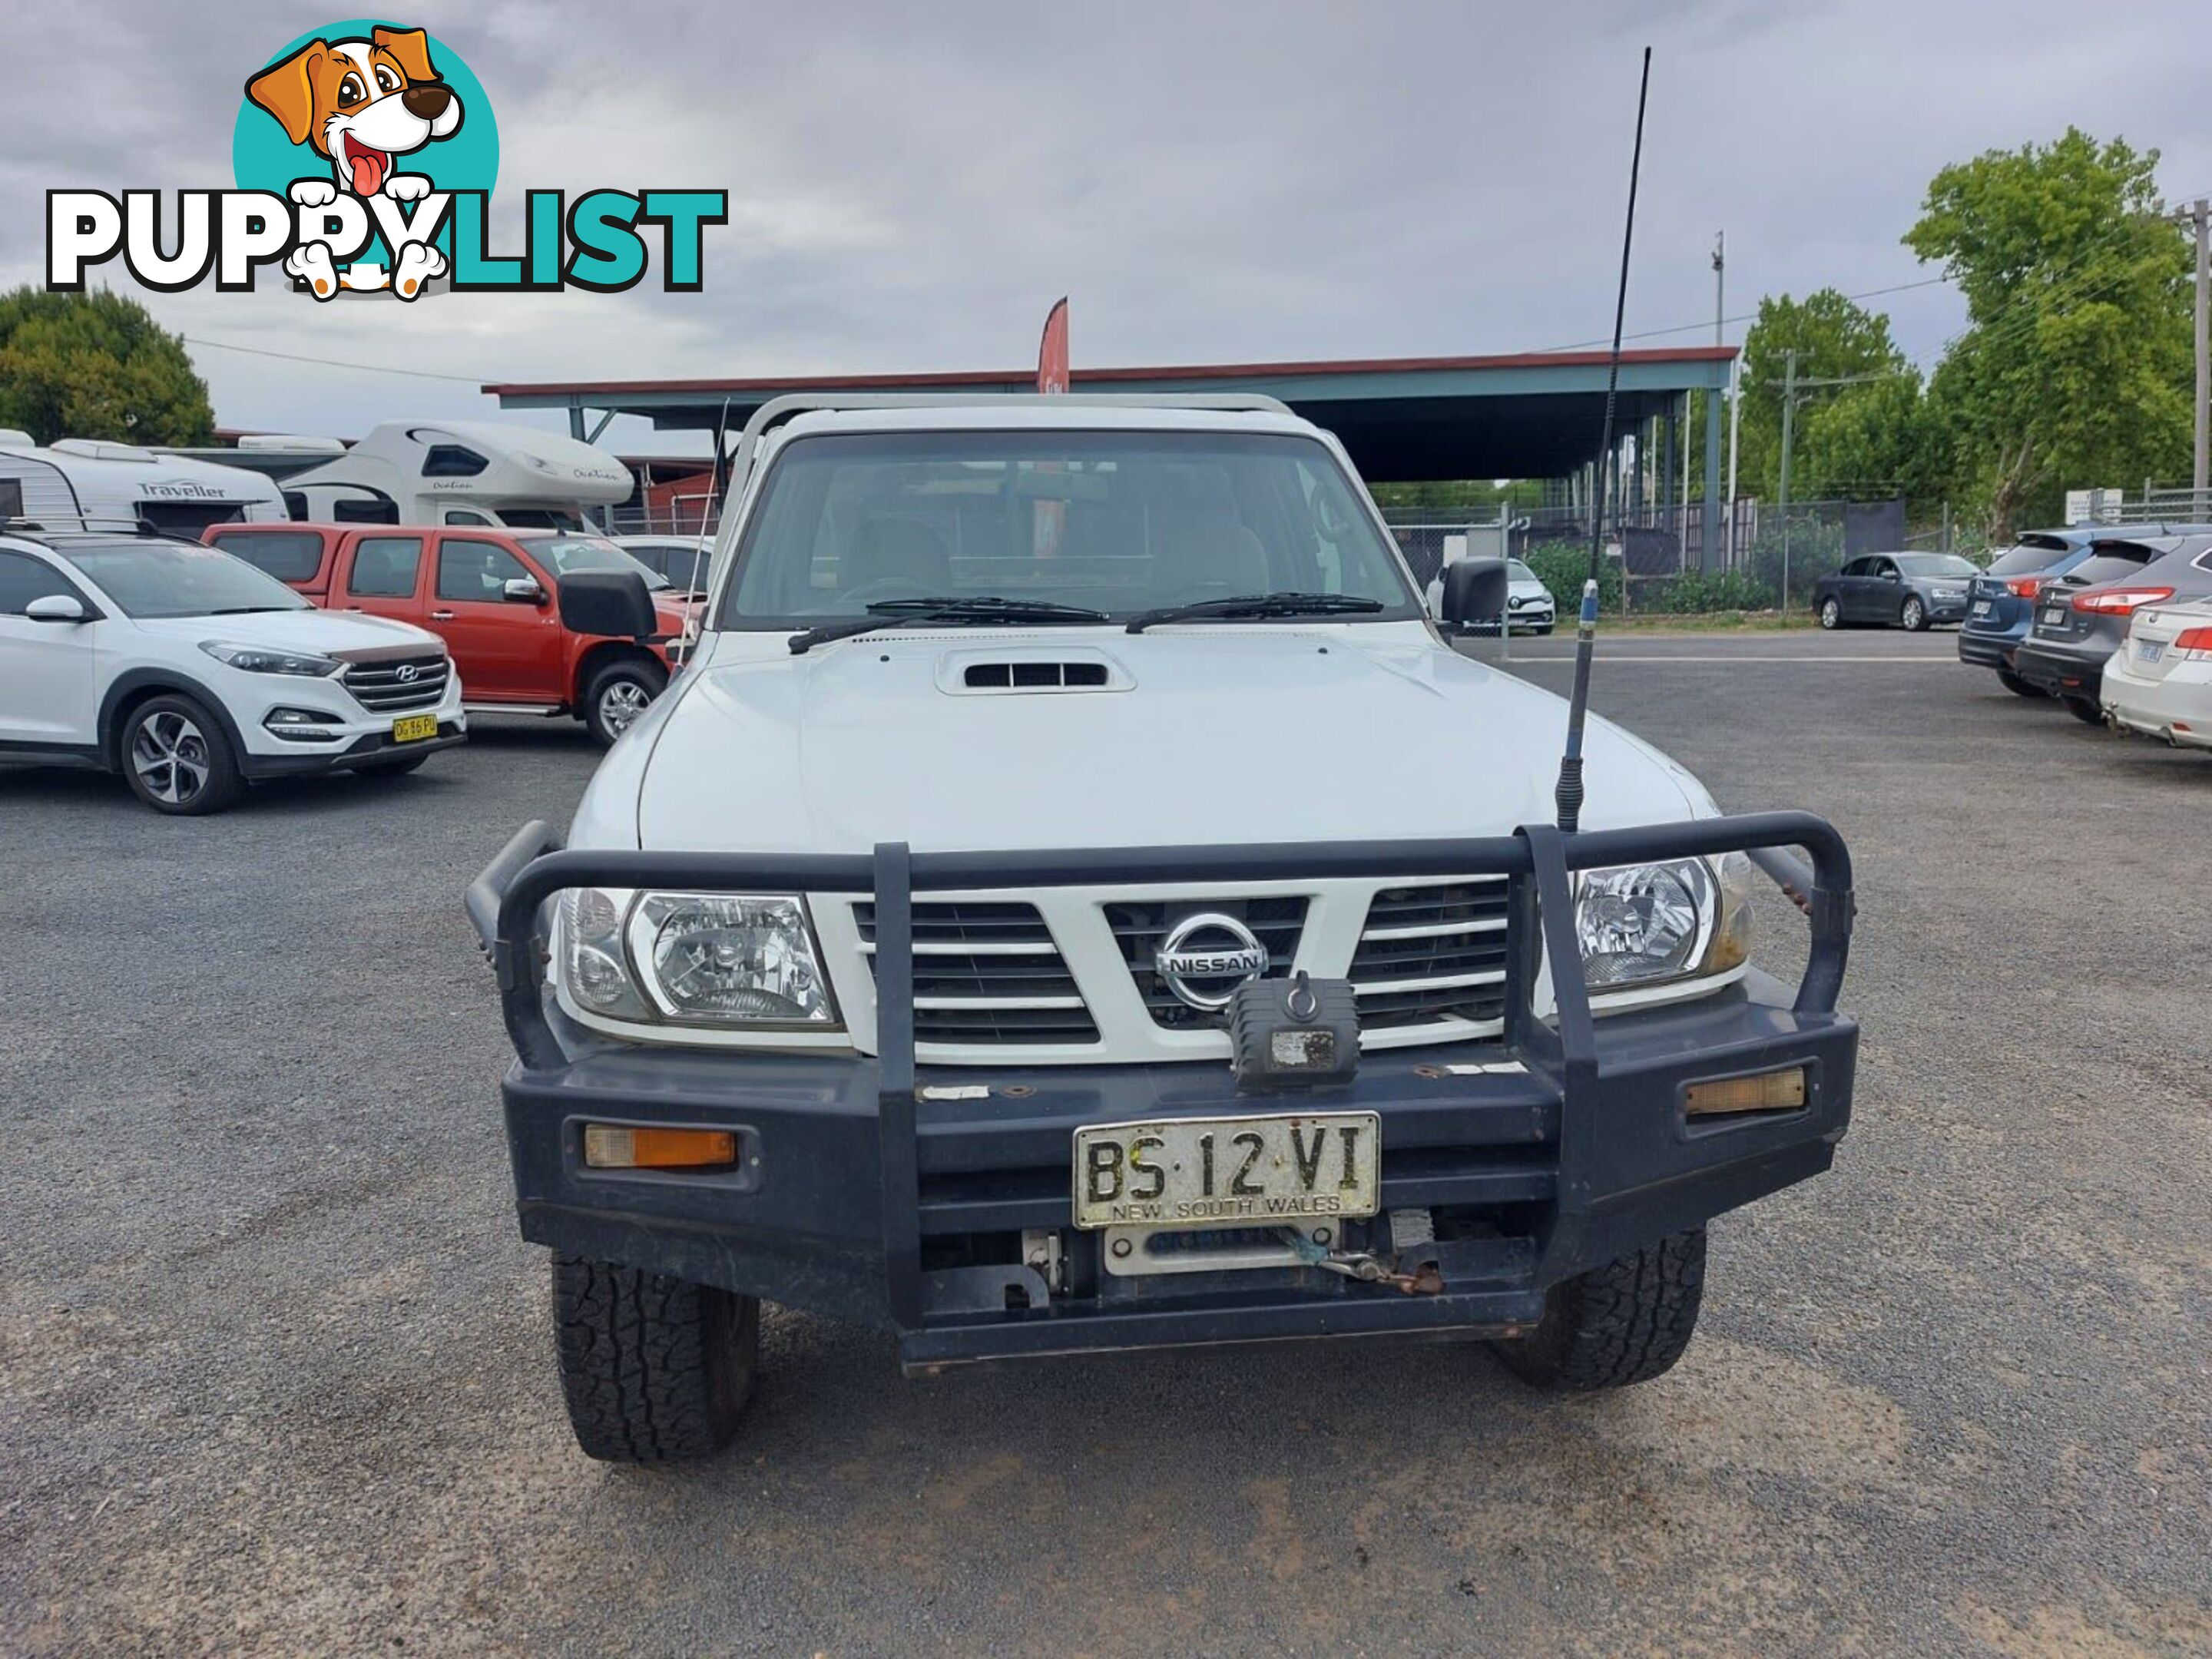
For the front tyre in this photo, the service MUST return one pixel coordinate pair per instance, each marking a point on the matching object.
(654, 1369)
(177, 757)
(618, 693)
(1627, 1321)
(1831, 615)
(1912, 615)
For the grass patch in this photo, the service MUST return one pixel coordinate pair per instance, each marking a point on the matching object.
(1708, 622)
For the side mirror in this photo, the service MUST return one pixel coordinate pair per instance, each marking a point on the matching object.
(610, 604)
(524, 590)
(1891, 576)
(57, 608)
(1475, 591)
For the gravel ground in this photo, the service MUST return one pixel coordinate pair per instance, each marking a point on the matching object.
(275, 1371)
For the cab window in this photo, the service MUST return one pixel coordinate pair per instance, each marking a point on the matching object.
(289, 555)
(386, 567)
(469, 569)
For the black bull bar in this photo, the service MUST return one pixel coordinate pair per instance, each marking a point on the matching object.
(506, 905)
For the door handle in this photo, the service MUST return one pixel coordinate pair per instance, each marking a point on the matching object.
(441, 616)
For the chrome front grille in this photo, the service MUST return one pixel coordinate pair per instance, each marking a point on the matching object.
(1000, 974)
(394, 685)
(1431, 953)
(1139, 925)
(987, 973)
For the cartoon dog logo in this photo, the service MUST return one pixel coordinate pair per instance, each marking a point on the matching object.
(362, 105)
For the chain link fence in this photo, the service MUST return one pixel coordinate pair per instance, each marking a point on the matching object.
(1654, 554)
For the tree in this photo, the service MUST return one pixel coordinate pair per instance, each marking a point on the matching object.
(96, 366)
(2075, 368)
(1849, 439)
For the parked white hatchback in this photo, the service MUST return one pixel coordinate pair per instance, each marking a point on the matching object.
(2159, 683)
(192, 674)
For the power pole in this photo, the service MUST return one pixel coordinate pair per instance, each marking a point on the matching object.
(1791, 388)
(1788, 423)
(1720, 281)
(2199, 478)
(1735, 391)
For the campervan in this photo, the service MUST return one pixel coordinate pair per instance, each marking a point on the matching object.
(78, 481)
(459, 472)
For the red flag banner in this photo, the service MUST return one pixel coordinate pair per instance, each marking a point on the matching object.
(1051, 350)
(1049, 519)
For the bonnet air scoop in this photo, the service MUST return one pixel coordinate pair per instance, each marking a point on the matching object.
(1004, 670)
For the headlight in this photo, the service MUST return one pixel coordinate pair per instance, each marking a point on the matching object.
(1639, 924)
(262, 659)
(697, 958)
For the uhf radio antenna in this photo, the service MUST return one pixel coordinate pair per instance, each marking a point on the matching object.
(1568, 795)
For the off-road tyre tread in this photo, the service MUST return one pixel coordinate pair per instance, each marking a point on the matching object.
(654, 1369)
(1627, 1321)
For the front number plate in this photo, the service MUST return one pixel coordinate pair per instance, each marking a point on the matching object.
(413, 728)
(1228, 1171)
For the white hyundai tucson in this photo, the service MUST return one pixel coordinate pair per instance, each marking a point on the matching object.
(192, 674)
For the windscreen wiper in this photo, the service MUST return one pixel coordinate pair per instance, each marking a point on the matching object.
(1257, 605)
(967, 608)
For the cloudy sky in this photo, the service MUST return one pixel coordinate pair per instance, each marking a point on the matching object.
(912, 184)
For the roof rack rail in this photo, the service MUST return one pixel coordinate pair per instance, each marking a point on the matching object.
(79, 524)
(778, 410)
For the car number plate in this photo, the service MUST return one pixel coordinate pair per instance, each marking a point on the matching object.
(2054, 615)
(1228, 1171)
(1981, 608)
(2148, 650)
(413, 728)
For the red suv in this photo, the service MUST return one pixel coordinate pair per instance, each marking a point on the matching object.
(489, 595)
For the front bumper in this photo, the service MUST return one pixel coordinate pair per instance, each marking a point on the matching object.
(915, 1200)
(2178, 707)
(369, 749)
(359, 736)
(1942, 609)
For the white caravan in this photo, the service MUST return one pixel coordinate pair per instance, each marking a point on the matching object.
(457, 472)
(116, 486)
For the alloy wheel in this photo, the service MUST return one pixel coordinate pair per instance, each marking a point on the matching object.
(169, 753)
(621, 703)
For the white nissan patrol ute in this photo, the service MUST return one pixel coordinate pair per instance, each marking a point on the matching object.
(1074, 898)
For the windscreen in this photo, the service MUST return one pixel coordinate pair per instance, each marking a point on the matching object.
(1118, 522)
(1517, 572)
(1937, 565)
(179, 579)
(567, 553)
(2029, 555)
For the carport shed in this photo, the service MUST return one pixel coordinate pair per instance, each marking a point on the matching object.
(1527, 415)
